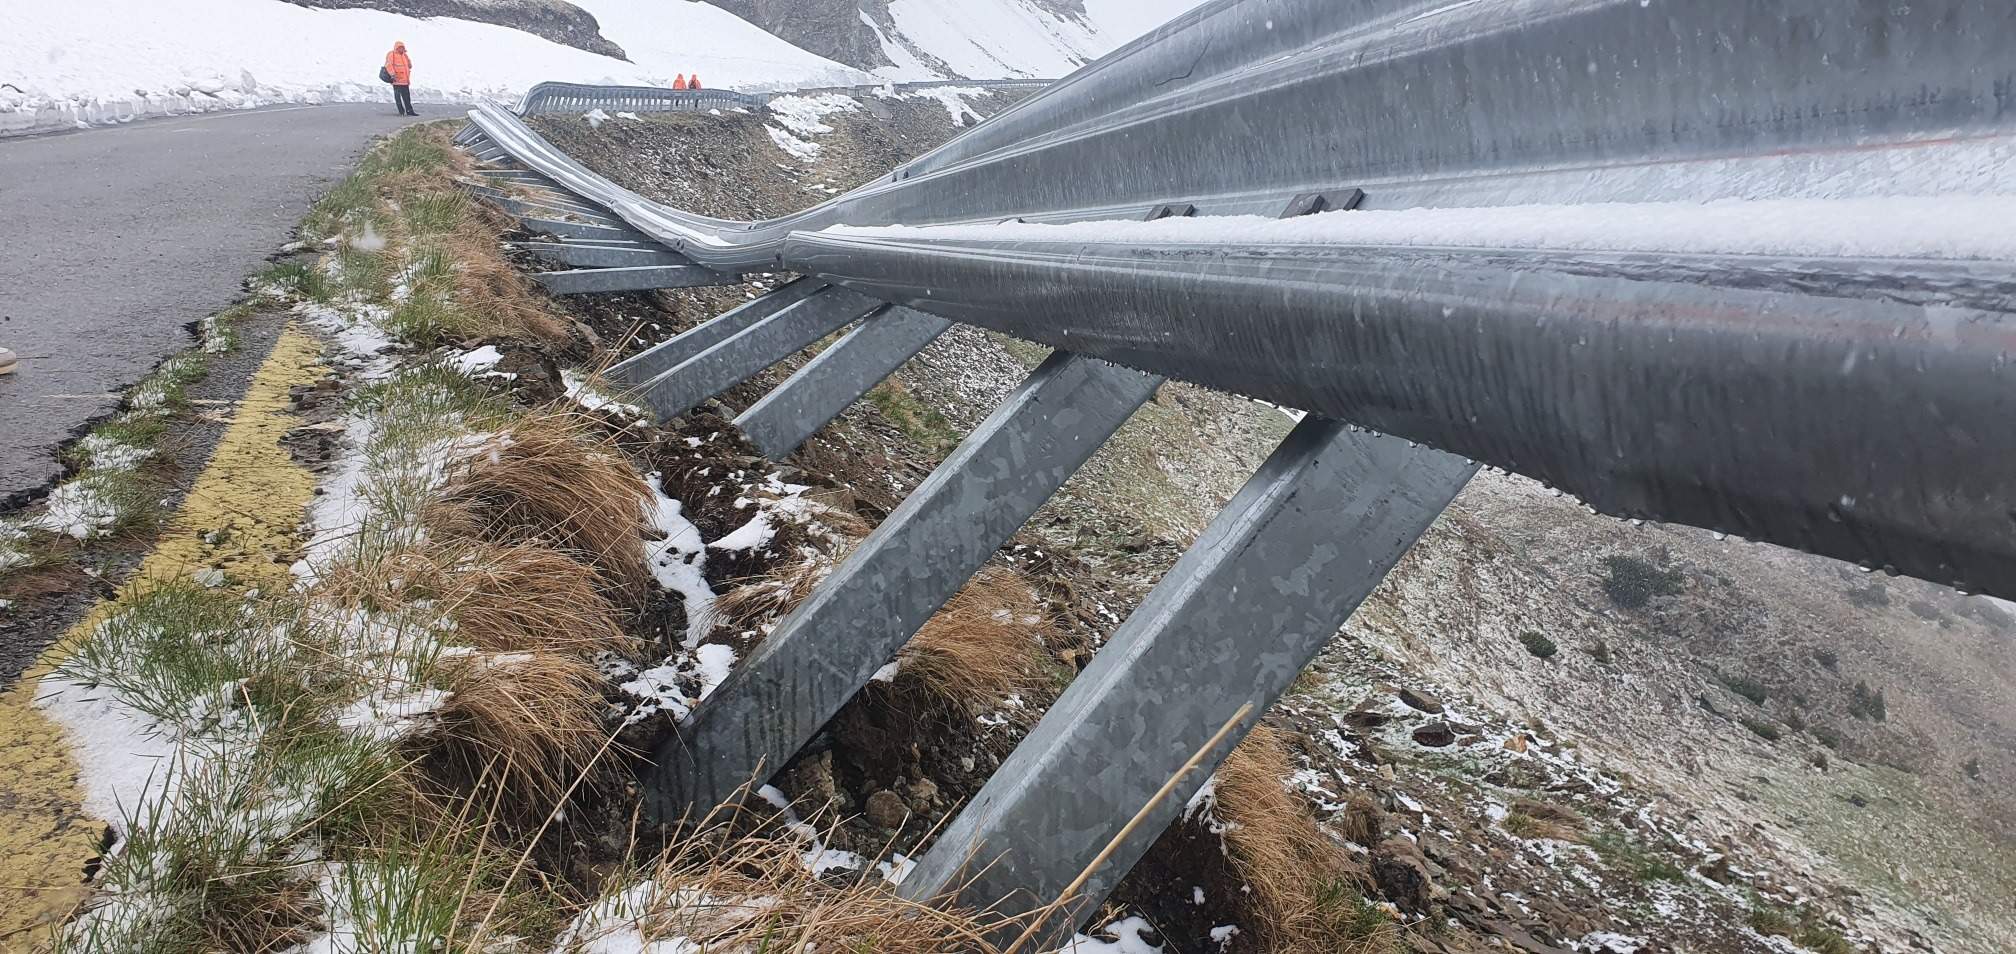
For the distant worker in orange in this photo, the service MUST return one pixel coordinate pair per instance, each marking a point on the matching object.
(679, 83)
(399, 72)
(693, 83)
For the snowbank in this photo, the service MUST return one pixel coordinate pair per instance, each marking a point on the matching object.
(101, 61)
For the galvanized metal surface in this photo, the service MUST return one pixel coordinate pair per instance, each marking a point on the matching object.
(1721, 408)
(837, 377)
(593, 281)
(1424, 103)
(749, 350)
(1264, 589)
(579, 230)
(574, 97)
(592, 255)
(671, 353)
(858, 618)
(1556, 100)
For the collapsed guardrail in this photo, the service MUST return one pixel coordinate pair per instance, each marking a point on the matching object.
(558, 97)
(1708, 263)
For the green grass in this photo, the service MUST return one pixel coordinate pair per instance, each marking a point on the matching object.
(1641, 861)
(1632, 583)
(435, 213)
(170, 651)
(1350, 917)
(1763, 730)
(1540, 646)
(917, 421)
(296, 279)
(105, 503)
(1867, 704)
(1798, 925)
(1746, 687)
(350, 206)
(352, 202)
(21, 550)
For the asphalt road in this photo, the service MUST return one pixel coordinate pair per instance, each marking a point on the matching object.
(113, 240)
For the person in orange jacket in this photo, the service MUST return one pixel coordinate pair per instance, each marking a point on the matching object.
(400, 66)
(679, 83)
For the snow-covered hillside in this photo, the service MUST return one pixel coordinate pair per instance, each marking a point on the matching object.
(976, 39)
(92, 61)
(984, 39)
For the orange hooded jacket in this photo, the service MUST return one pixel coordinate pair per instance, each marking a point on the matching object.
(679, 83)
(399, 65)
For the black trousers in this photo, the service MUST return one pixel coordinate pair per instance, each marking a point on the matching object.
(402, 97)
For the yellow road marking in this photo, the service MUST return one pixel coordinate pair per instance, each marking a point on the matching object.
(253, 492)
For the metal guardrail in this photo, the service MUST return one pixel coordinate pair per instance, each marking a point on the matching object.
(1853, 406)
(558, 97)
(553, 97)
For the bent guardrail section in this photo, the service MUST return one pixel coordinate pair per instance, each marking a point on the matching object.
(1707, 263)
(559, 97)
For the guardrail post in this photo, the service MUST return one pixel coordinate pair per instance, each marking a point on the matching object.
(749, 351)
(1263, 590)
(685, 346)
(826, 385)
(855, 621)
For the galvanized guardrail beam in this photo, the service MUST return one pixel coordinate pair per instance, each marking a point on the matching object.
(1267, 586)
(684, 347)
(1655, 399)
(526, 210)
(747, 352)
(837, 377)
(594, 281)
(588, 255)
(1807, 97)
(861, 615)
(578, 230)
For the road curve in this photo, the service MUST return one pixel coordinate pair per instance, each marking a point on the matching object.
(116, 239)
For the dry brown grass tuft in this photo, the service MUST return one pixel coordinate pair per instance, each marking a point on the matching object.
(984, 645)
(770, 596)
(741, 895)
(527, 723)
(1305, 889)
(1531, 819)
(506, 302)
(518, 598)
(1361, 820)
(501, 300)
(502, 597)
(552, 482)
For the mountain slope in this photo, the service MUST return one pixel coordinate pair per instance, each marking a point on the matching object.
(981, 39)
(92, 61)
(555, 20)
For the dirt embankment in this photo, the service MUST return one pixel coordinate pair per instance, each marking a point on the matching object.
(555, 20)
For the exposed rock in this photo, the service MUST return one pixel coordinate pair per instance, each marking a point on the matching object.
(1435, 735)
(1402, 874)
(1364, 719)
(1417, 699)
(812, 781)
(923, 795)
(886, 809)
(555, 20)
(831, 28)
